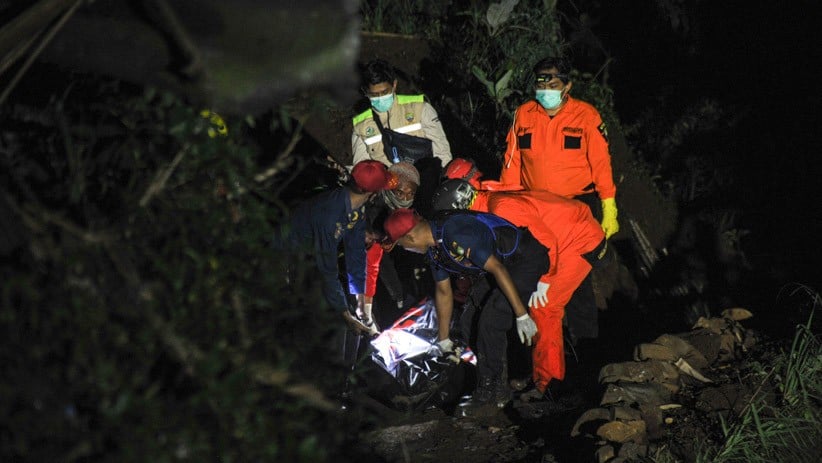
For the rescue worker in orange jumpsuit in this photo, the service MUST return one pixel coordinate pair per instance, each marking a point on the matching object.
(560, 144)
(575, 242)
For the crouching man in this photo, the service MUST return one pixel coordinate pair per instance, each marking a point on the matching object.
(575, 242)
(507, 261)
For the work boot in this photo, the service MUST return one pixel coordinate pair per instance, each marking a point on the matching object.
(485, 391)
(533, 395)
(502, 393)
(483, 400)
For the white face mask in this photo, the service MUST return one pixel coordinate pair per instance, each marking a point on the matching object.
(549, 98)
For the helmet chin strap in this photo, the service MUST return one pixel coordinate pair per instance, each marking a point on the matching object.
(473, 198)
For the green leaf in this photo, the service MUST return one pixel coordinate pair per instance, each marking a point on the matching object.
(502, 85)
(480, 74)
(498, 14)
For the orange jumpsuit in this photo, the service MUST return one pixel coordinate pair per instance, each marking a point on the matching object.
(567, 228)
(566, 154)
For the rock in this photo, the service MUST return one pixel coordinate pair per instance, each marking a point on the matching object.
(737, 314)
(714, 325)
(651, 351)
(605, 453)
(654, 418)
(704, 342)
(592, 415)
(623, 431)
(639, 372)
(636, 393)
(683, 348)
(625, 414)
(686, 368)
(633, 451)
(670, 406)
(389, 439)
(727, 347)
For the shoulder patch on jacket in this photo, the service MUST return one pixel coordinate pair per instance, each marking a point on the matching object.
(459, 253)
(603, 130)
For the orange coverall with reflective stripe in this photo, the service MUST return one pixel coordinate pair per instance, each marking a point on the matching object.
(566, 154)
(567, 228)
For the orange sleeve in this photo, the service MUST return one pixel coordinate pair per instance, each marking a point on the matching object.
(512, 160)
(494, 185)
(520, 212)
(600, 158)
(373, 257)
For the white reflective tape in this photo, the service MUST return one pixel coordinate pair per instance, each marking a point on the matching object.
(409, 128)
(374, 139)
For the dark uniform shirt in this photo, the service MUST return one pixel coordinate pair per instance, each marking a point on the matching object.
(468, 241)
(319, 225)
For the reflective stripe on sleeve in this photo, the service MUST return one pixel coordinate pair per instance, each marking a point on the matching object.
(409, 128)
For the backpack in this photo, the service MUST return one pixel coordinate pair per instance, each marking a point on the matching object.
(443, 257)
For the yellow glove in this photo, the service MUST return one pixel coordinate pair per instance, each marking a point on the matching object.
(609, 217)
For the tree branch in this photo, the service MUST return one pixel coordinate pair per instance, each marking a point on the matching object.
(162, 177)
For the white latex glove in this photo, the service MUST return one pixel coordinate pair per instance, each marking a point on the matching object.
(446, 345)
(526, 328)
(539, 298)
(445, 348)
(365, 313)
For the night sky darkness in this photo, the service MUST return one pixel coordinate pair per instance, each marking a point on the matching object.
(760, 59)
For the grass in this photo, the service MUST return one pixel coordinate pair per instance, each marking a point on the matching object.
(789, 427)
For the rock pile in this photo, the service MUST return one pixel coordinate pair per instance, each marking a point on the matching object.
(642, 394)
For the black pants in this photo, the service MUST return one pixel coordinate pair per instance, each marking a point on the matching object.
(488, 315)
(581, 312)
(430, 170)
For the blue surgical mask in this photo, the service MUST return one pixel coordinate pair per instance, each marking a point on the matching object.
(382, 103)
(549, 98)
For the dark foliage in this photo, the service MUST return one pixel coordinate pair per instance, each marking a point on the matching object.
(144, 313)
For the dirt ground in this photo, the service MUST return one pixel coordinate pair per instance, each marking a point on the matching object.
(542, 432)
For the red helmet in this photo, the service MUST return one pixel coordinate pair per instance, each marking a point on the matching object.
(463, 169)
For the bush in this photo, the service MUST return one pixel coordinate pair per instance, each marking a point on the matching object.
(144, 313)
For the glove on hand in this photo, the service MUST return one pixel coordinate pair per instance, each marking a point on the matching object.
(445, 348)
(367, 319)
(609, 217)
(526, 328)
(365, 313)
(446, 345)
(539, 298)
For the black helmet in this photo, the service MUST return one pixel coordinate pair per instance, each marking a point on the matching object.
(453, 194)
